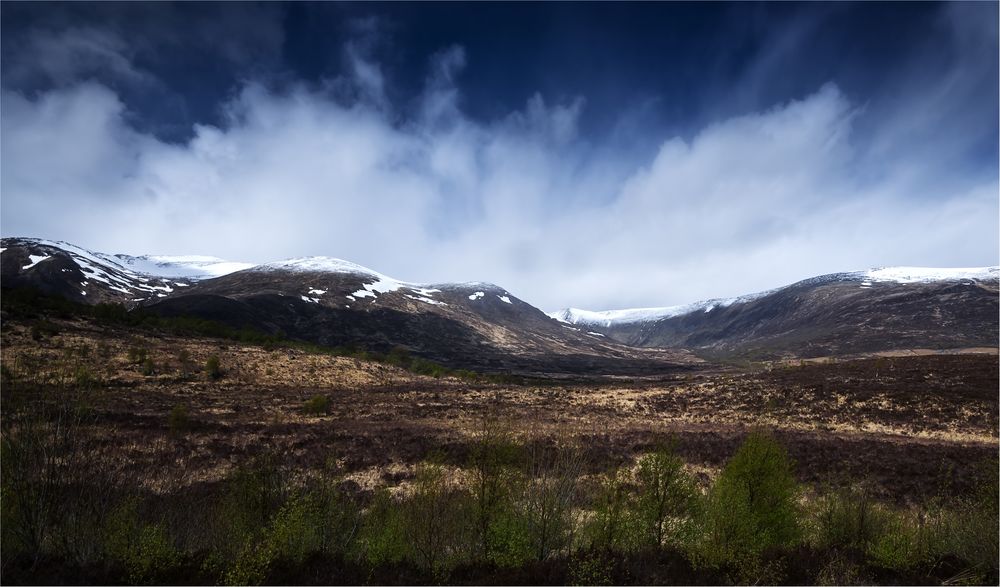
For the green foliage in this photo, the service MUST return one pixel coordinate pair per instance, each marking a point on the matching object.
(750, 510)
(667, 499)
(495, 481)
(612, 527)
(902, 544)
(546, 504)
(382, 538)
(213, 367)
(590, 568)
(849, 519)
(317, 405)
(144, 550)
(434, 517)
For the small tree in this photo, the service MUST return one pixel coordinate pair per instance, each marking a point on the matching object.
(751, 509)
(611, 526)
(184, 358)
(547, 504)
(494, 477)
(667, 497)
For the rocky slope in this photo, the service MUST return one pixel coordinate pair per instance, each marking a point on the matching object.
(844, 313)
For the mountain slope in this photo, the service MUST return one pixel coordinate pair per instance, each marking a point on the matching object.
(332, 302)
(335, 302)
(844, 313)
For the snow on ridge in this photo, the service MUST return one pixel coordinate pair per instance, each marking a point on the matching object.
(902, 275)
(318, 265)
(928, 274)
(183, 266)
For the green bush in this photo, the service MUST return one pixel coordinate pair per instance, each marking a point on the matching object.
(317, 405)
(148, 367)
(382, 538)
(213, 367)
(849, 518)
(750, 510)
(144, 550)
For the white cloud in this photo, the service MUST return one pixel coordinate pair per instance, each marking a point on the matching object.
(748, 203)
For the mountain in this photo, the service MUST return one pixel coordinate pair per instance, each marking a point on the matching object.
(333, 302)
(843, 313)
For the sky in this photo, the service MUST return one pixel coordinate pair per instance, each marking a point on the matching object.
(592, 155)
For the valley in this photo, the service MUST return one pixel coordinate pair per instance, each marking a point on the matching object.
(316, 375)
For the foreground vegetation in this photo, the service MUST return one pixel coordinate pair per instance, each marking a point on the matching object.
(514, 513)
(136, 451)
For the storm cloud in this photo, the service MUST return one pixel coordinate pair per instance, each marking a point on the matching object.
(755, 195)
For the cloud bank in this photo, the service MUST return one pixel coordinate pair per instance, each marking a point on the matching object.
(426, 193)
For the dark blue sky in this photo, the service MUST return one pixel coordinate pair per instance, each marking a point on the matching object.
(679, 64)
(904, 95)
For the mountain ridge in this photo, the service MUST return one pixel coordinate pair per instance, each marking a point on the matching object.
(332, 301)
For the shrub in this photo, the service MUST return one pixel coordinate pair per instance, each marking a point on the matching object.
(137, 355)
(213, 368)
(317, 405)
(178, 420)
(666, 500)
(184, 358)
(382, 536)
(84, 378)
(849, 519)
(967, 528)
(144, 550)
(148, 367)
(750, 510)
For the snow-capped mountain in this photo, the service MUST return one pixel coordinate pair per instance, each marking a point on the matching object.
(336, 302)
(865, 279)
(861, 311)
(333, 302)
(91, 277)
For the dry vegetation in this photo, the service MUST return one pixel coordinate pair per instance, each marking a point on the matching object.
(914, 424)
(134, 455)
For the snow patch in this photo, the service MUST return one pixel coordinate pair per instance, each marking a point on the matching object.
(317, 292)
(505, 299)
(426, 300)
(308, 299)
(35, 260)
(477, 295)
